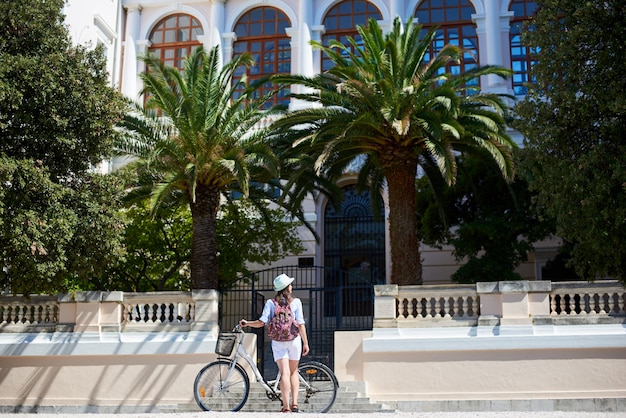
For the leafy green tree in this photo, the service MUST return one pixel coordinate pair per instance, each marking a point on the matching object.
(55, 238)
(490, 223)
(253, 233)
(574, 119)
(36, 227)
(58, 221)
(202, 140)
(55, 102)
(159, 247)
(387, 109)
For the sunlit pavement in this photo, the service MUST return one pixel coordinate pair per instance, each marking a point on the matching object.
(512, 414)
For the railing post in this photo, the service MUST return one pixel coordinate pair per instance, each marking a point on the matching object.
(490, 307)
(67, 313)
(206, 310)
(513, 302)
(87, 311)
(111, 311)
(539, 302)
(385, 306)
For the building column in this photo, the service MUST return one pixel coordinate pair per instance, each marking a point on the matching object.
(129, 75)
(217, 23)
(316, 35)
(305, 50)
(396, 9)
(228, 40)
(493, 38)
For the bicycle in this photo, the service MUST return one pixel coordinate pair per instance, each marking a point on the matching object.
(224, 385)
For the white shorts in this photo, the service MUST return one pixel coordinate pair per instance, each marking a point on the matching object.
(291, 350)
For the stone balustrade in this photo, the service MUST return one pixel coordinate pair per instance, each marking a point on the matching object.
(499, 303)
(35, 313)
(134, 352)
(522, 342)
(483, 303)
(579, 302)
(111, 312)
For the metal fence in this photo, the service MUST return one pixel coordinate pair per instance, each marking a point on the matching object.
(331, 302)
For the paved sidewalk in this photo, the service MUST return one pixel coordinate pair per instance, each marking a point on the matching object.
(517, 414)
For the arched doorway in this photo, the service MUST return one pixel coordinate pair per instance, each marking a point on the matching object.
(354, 242)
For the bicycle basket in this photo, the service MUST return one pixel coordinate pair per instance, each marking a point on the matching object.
(225, 344)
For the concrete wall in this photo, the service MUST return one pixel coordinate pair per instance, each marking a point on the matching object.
(437, 365)
(522, 343)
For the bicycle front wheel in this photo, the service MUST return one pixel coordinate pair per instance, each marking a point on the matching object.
(319, 386)
(219, 388)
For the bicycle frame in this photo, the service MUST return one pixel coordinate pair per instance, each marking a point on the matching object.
(271, 386)
(225, 384)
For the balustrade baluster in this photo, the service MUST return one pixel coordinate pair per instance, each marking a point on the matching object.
(428, 308)
(141, 312)
(160, 315)
(620, 303)
(553, 305)
(414, 308)
(181, 311)
(20, 315)
(464, 306)
(26, 314)
(173, 309)
(596, 303)
(613, 303)
(419, 310)
(572, 304)
(446, 308)
(437, 308)
(602, 303)
(150, 313)
(584, 304)
(169, 313)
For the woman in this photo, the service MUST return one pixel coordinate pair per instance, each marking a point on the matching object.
(286, 353)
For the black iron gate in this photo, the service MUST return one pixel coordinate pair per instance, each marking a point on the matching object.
(331, 302)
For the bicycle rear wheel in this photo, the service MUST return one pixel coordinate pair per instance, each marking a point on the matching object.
(319, 386)
(215, 390)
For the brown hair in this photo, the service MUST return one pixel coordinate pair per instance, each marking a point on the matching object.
(283, 297)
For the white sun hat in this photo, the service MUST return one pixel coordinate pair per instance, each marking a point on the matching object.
(281, 282)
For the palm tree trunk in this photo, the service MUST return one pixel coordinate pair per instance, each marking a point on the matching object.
(406, 261)
(204, 238)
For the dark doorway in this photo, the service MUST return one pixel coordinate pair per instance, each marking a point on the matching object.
(354, 243)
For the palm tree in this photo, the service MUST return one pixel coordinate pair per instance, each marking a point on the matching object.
(389, 108)
(201, 140)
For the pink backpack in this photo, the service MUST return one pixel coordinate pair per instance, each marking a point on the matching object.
(282, 326)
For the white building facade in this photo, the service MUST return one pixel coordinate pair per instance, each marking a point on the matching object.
(278, 34)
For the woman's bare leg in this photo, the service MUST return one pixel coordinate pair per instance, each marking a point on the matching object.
(285, 380)
(295, 381)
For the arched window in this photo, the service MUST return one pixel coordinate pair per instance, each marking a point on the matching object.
(262, 33)
(454, 19)
(174, 37)
(341, 21)
(521, 58)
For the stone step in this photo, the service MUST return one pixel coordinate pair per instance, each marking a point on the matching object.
(350, 399)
